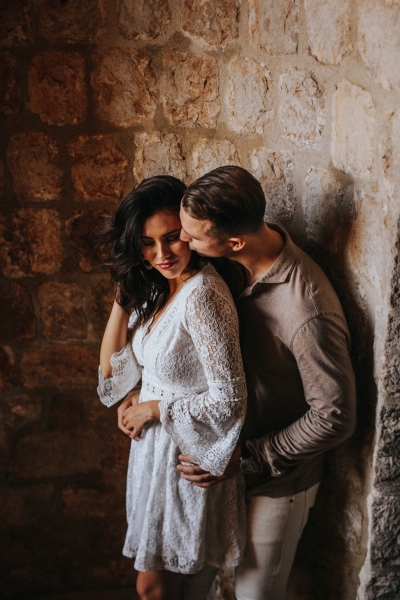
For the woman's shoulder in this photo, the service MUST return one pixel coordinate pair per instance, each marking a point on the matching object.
(206, 283)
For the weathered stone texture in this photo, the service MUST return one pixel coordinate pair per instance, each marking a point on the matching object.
(144, 19)
(8, 371)
(301, 108)
(125, 87)
(390, 152)
(10, 103)
(191, 92)
(72, 21)
(274, 170)
(379, 41)
(57, 88)
(158, 154)
(99, 168)
(30, 242)
(387, 464)
(16, 22)
(209, 154)
(82, 230)
(19, 410)
(32, 158)
(28, 505)
(327, 205)
(60, 365)
(274, 26)
(328, 25)
(213, 25)
(62, 311)
(103, 294)
(67, 410)
(16, 303)
(1, 178)
(353, 120)
(88, 503)
(248, 99)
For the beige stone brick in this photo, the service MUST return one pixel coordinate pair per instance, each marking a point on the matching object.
(99, 168)
(158, 154)
(16, 22)
(248, 99)
(8, 369)
(390, 152)
(144, 19)
(379, 41)
(208, 154)
(301, 108)
(18, 320)
(82, 230)
(274, 170)
(328, 25)
(10, 103)
(61, 366)
(72, 21)
(57, 88)
(125, 87)
(211, 24)
(353, 119)
(30, 242)
(274, 26)
(33, 160)
(191, 89)
(328, 209)
(62, 309)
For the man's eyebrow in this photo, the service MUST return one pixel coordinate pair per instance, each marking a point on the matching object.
(147, 237)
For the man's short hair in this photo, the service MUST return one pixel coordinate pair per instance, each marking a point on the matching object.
(230, 198)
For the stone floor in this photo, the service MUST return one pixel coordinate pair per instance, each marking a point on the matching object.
(113, 594)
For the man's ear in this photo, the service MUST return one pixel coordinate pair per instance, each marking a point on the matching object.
(236, 243)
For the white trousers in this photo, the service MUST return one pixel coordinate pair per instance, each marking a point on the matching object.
(274, 529)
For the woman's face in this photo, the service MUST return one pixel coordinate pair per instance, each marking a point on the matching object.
(161, 244)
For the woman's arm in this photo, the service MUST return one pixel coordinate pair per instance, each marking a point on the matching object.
(115, 337)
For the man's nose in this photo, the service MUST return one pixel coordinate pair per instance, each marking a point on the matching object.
(184, 236)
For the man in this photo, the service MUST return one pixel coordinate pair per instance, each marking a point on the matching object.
(295, 346)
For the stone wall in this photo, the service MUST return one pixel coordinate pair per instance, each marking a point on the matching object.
(95, 96)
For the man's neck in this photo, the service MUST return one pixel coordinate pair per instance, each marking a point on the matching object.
(260, 252)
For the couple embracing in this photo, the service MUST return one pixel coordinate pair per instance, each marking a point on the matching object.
(210, 484)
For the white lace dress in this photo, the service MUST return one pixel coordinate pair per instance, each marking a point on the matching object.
(190, 361)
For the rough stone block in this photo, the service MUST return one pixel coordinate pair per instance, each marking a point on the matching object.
(274, 26)
(61, 366)
(248, 99)
(212, 25)
(328, 25)
(62, 311)
(27, 505)
(143, 19)
(32, 158)
(301, 108)
(379, 41)
(72, 21)
(274, 170)
(16, 306)
(100, 304)
(158, 154)
(57, 88)
(98, 169)
(390, 152)
(30, 242)
(191, 94)
(16, 22)
(1, 178)
(328, 209)
(8, 370)
(59, 454)
(20, 410)
(353, 120)
(10, 103)
(88, 503)
(208, 154)
(82, 230)
(125, 87)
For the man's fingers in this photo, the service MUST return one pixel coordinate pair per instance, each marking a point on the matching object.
(204, 478)
(191, 469)
(185, 458)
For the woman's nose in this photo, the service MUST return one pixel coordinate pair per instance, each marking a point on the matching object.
(162, 251)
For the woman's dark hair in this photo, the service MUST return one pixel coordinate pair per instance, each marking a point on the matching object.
(138, 289)
(230, 197)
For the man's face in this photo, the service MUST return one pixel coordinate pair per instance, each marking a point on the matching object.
(195, 232)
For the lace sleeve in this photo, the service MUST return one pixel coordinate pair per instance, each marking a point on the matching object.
(126, 373)
(206, 426)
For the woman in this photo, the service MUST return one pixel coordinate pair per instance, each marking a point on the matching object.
(173, 326)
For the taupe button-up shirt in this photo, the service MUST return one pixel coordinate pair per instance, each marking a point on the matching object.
(295, 346)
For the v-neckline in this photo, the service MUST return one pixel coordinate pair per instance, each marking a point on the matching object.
(152, 326)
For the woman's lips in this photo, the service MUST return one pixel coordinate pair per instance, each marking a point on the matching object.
(167, 265)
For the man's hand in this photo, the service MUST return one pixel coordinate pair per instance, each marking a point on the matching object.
(131, 399)
(136, 417)
(200, 478)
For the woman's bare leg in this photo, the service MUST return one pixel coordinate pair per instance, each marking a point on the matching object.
(159, 585)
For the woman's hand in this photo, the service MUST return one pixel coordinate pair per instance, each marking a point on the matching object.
(131, 400)
(136, 417)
